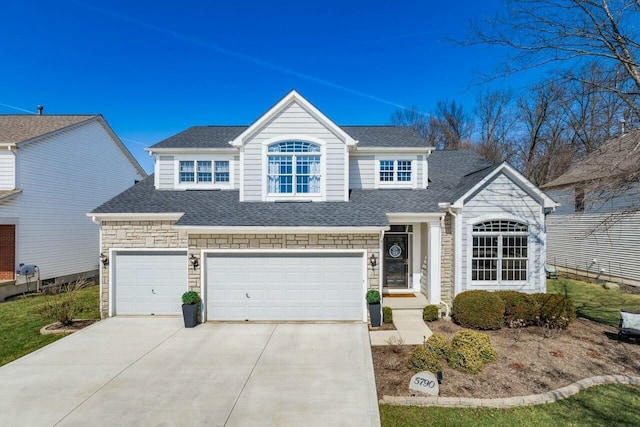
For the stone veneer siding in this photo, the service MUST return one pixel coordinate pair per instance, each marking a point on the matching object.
(160, 234)
(447, 261)
(137, 234)
(370, 242)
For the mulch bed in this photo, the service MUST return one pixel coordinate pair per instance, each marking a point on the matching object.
(384, 327)
(530, 360)
(58, 328)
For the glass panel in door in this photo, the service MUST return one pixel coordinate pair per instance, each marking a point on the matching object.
(396, 261)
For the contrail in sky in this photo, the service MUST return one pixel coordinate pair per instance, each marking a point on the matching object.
(216, 48)
(17, 108)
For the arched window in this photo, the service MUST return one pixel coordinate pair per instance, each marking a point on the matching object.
(293, 167)
(500, 251)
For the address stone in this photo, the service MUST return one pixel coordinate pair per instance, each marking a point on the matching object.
(424, 382)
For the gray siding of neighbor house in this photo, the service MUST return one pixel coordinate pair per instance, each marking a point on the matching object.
(576, 239)
(294, 120)
(165, 172)
(503, 199)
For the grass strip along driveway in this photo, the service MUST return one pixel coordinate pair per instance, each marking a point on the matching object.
(21, 320)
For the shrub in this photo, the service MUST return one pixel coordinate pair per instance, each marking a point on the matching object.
(555, 310)
(431, 313)
(478, 310)
(422, 359)
(61, 301)
(439, 344)
(520, 309)
(470, 351)
(373, 297)
(190, 297)
(387, 315)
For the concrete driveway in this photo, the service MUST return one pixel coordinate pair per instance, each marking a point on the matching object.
(153, 372)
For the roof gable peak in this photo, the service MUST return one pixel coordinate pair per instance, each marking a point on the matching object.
(286, 101)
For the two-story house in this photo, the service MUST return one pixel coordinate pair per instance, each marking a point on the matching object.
(53, 168)
(295, 218)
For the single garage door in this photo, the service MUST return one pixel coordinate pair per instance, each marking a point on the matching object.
(285, 287)
(149, 282)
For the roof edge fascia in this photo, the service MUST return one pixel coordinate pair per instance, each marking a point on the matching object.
(122, 146)
(277, 230)
(369, 150)
(98, 217)
(181, 150)
(279, 106)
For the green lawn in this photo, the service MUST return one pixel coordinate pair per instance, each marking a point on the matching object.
(608, 405)
(21, 320)
(594, 302)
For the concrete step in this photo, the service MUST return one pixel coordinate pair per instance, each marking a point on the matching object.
(419, 301)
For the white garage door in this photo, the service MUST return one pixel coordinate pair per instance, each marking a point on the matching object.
(149, 282)
(285, 287)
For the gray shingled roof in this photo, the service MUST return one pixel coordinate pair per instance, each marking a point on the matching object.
(451, 173)
(616, 157)
(367, 136)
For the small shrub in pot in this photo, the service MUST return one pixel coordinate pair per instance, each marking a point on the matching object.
(373, 299)
(190, 308)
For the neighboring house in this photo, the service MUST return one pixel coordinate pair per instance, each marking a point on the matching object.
(596, 230)
(53, 169)
(295, 217)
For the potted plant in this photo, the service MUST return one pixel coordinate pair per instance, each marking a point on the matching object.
(373, 298)
(190, 308)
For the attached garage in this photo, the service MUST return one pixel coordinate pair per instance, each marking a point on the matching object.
(274, 286)
(146, 283)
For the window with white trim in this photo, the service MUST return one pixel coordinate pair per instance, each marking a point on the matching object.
(200, 171)
(395, 171)
(293, 167)
(500, 251)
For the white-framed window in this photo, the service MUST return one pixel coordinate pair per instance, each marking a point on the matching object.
(202, 172)
(500, 251)
(395, 172)
(293, 168)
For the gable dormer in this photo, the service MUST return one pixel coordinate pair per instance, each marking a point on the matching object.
(294, 152)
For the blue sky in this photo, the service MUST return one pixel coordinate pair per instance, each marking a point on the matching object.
(154, 68)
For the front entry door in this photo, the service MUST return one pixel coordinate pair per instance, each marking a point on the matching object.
(396, 261)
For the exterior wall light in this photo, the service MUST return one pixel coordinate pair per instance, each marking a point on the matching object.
(373, 261)
(194, 261)
(104, 260)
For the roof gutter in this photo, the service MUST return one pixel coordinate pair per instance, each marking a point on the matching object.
(98, 217)
(277, 230)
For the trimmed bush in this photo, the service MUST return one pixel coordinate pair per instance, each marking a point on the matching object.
(439, 344)
(190, 297)
(387, 315)
(520, 309)
(478, 310)
(555, 310)
(431, 313)
(470, 351)
(422, 359)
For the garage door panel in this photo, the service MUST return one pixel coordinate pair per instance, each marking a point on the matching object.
(149, 282)
(284, 286)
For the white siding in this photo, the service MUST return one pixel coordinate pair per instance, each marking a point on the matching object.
(362, 171)
(7, 170)
(294, 120)
(504, 199)
(235, 167)
(62, 178)
(165, 172)
(566, 197)
(576, 239)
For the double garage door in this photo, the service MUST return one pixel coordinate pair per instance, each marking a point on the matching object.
(246, 286)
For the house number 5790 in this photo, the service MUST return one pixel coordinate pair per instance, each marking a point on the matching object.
(424, 382)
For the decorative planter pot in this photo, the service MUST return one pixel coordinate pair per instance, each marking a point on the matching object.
(190, 314)
(375, 315)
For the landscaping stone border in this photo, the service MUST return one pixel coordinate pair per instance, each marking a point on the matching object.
(510, 402)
